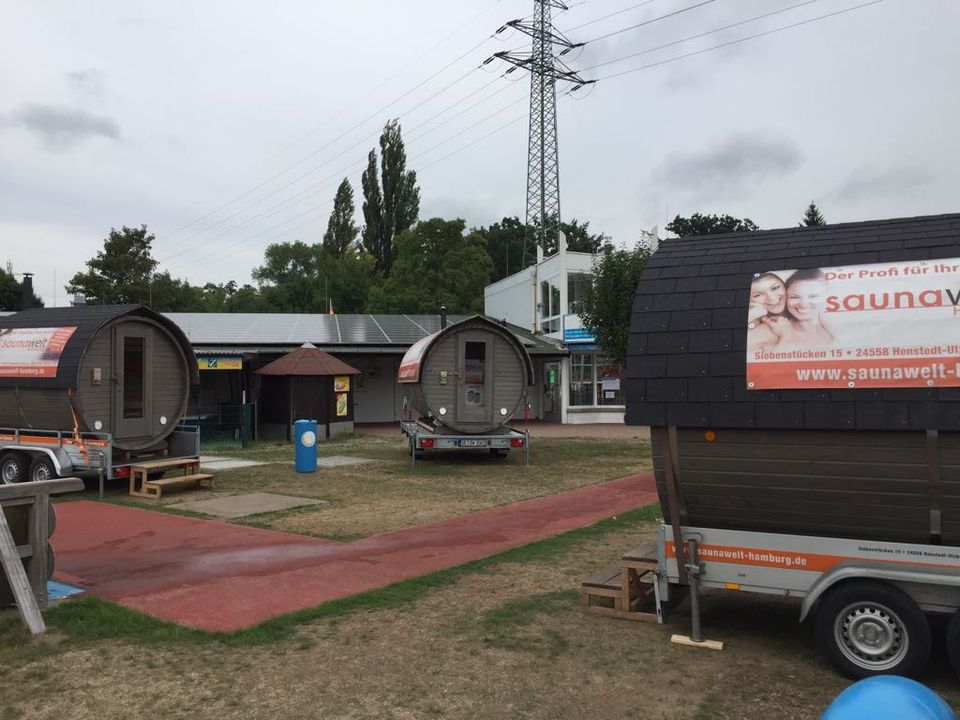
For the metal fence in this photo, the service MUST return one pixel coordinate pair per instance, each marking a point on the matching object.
(228, 424)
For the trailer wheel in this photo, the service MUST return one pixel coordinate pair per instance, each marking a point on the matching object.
(42, 469)
(953, 643)
(870, 628)
(500, 452)
(13, 467)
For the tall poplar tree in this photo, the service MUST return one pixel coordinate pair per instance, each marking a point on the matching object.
(391, 200)
(341, 230)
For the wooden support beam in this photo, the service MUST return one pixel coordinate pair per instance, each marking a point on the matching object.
(17, 577)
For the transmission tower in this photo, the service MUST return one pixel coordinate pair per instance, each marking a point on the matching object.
(543, 164)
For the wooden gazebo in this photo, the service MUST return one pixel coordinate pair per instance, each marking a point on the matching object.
(307, 384)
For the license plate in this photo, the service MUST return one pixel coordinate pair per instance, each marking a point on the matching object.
(473, 443)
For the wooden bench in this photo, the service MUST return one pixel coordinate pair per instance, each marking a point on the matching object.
(142, 486)
(626, 588)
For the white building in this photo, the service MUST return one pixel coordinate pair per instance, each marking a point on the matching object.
(545, 299)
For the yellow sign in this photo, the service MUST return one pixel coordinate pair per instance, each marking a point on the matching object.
(341, 383)
(342, 409)
(214, 362)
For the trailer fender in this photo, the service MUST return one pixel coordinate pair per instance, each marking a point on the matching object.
(889, 572)
(63, 468)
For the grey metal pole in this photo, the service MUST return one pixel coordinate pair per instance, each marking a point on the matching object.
(693, 573)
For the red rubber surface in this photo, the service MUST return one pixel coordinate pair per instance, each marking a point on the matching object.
(221, 577)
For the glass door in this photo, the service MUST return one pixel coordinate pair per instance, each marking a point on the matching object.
(476, 366)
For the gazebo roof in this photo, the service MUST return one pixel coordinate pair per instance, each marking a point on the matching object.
(308, 360)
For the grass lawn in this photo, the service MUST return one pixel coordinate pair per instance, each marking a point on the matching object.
(388, 494)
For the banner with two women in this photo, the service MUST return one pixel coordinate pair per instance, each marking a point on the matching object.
(883, 325)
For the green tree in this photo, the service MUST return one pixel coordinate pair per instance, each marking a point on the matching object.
(812, 216)
(297, 277)
(579, 237)
(436, 265)
(121, 272)
(168, 294)
(341, 231)
(608, 302)
(698, 224)
(391, 200)
(11, 293)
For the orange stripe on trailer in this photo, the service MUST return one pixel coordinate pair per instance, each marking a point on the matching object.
(46, 440)
(786, 559)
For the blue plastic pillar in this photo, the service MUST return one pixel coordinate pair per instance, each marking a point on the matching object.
(305, 442)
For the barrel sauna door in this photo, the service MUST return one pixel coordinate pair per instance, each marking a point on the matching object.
(475, 362)
(133, 370)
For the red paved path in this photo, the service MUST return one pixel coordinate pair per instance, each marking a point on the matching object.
(222, 577)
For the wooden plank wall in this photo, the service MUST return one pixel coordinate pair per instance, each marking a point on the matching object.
(856, 484)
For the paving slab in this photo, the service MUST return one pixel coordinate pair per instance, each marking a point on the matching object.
(221, 577)
(338, 460)
(219, 462)
(234, 506)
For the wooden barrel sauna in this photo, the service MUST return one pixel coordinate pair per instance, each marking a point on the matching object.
(470, 377)
(119, 369)
(862, 462)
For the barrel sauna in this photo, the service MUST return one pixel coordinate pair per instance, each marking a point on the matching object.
(470, 377)
(119, 369)
(854, 460)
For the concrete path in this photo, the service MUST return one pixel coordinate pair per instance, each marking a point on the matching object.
(221, 577)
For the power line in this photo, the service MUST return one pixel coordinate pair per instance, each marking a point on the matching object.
(740, 40)
(703, 34)
(649, 22)
(328, 144)
(613, 14)
(249, 242)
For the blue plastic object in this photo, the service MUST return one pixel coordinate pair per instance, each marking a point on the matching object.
(888, 697)
(305, 441)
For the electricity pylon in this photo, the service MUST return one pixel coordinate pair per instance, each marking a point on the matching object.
(543, 163)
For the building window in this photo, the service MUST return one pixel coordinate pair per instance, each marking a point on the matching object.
(550, 310)
(577, 284)
(594, 381)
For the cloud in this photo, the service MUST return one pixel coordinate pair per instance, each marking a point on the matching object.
(729, 166)
(62, 127)
(868, 182)
(88, 84)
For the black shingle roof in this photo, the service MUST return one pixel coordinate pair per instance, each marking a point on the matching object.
(686, 363)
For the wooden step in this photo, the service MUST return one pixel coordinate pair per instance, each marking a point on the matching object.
(155, 488)
(165, 464)
(633, 602)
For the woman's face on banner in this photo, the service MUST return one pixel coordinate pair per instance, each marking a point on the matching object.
(805, 297)
(769, 293)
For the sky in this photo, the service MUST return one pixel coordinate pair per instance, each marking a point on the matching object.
(225, 126)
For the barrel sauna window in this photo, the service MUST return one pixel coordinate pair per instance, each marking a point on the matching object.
(475, 362)
(133, 371)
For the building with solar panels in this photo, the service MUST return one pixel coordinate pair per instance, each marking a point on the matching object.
(231, 347)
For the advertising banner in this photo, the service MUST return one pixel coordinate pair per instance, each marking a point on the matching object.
(884, 325)
(32, 352)
(341, 383)
(342, 406)
(219, 362)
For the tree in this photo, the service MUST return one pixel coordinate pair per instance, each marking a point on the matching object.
(579, 238)
(297, 277)
(812, 216)
(391, 202)
(436, 265)
(11, 293)
(608, 302)
(121, 272)
(698, 224)
(341, 230)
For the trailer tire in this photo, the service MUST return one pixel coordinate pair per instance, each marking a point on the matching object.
(870, 628)
(14, 467)
(42, 468)
(500, 452)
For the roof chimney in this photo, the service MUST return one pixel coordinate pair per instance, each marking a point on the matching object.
(443, 316)
(27, 288)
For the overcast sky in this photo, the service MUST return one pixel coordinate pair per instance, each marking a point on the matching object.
(118, 112)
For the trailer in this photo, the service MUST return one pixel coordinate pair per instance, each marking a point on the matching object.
(462, 386)
(93, 388)
(805, 429)
(423, 438)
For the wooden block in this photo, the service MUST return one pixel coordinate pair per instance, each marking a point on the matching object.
(708, 644)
